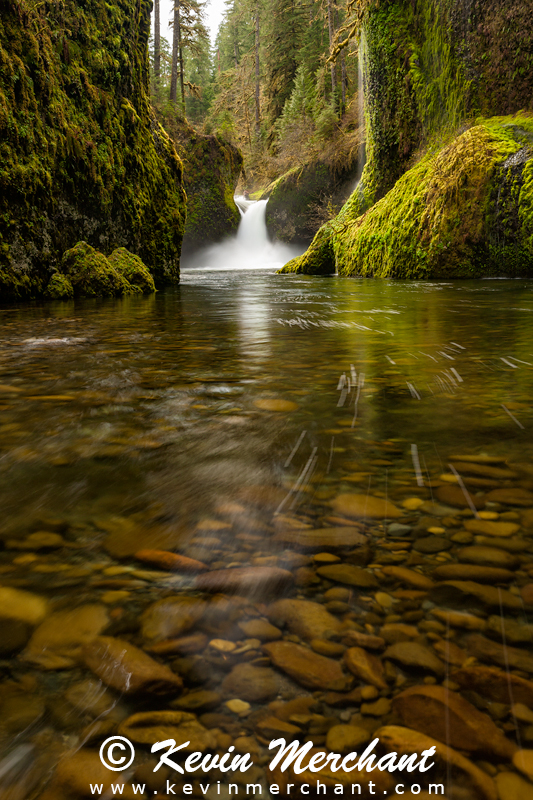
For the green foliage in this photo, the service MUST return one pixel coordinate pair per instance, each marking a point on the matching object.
(319, 258)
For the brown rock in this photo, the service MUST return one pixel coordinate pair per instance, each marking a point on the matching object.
(450, 652)
(410, 577)
(307, 668)
(254, 684)
(523, 761)
(24, 607)
(302, 617)
(350, 575)
(497, 685)
(158, 726)
(406, 742)
(526, 592)
(488, 557)
(527, 519)
(248, 581)
(362, 506)
(256, 628)
(470, 572)
(170, 561)
(512, 787)
(273, 728)
(197, 701)
(76, 772)
(124, 667)
(484, 470)
(184, 645)
(365, 666)
(488, 528)
(459, 619)
(275, 404)
(454, 496)
(394, 632)
(57, 642)
(170, 617)
(316, 538)
(486, 650)
(468, 593)
(511, 497)
(415, 656)
(128, 535)
(356, 639)
(346, 738)
(448, 717)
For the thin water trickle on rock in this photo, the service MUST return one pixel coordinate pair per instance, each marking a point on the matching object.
(259, 504)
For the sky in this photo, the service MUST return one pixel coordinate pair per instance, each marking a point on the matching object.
(214, 10)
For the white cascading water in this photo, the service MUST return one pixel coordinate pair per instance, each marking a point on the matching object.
(250, 248)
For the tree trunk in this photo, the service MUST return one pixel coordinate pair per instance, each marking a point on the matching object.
(344, 82)
(257, 106)
(331, 31)
(175, 53)
(157, 40)
(180, 57)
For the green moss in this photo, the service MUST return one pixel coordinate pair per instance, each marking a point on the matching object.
(91, 273)
(133, 270)
(59, 288)
(81, 154)
(464, 211)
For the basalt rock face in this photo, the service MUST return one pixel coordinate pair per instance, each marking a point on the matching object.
(82, 156)
(211, 170)
(436, 76)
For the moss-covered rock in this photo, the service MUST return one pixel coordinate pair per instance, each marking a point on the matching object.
(133, 270)
(91, 273)
(82, 156)
(211, 170)
(59, 288)
(465, 211)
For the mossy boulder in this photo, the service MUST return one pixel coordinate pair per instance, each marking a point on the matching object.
(85, 272)
(464, 211)
(133, 270)
(302, 199)
(211, 170)
(82, 156)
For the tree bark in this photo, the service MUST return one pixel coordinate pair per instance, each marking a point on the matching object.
(344, 82)
(257, 106)
(331, 31)
(175, 54)
(157, 39)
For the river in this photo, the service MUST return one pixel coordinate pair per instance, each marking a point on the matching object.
(229, 420)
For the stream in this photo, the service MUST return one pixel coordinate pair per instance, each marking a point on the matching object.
(351, 446)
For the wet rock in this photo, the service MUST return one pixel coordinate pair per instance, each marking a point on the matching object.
(304, 618)
(497, 685)
(18, 710)
(124, 667)
(511, 497)
(40, 540)
(171, 617)
(510, 630)
(398, 632)
(316, 538)
(90, 697)
(484, 470)
(469, 572)
(76, 772)
(413, 655)
(488, 557)
(468, 593)
(489, 528)
(350, 575)
(21, 606)
(523, 761)
(454, 496)
(184, 645)
(127, 535)
(274, 728)
(450, 652)
(432, 544)
(327, 648)
(526, 593)
(275, 404)
(448, 717)
(170, 561)
(486, 650)
(362, 506)
(346, 738)
(379, 708)
(307, 668)
(15, 635)
(459, 619)
(478, 785)
(57, 642)
(257, 628)
(254, 684)
(397, 529)
(513, 787)
(409, 576)
(366, 667)
(369, 642)
(197, 701)
(247, 581)
(158, 726)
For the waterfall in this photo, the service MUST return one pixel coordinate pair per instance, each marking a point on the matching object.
(250, 248)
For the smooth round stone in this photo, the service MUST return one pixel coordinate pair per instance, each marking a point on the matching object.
(488, 557)
(275, 404)
(250, 683)
(412, 503)
(222, 645)
(490, 528)
(256, 628)
(523, 761)
(432, 544)
(338, 593)
(346, 738)
(349, 574)
(378, 709)
(326, 648)
(513, 787)
(238, 706)
(397, 529)
(362, 506)
(511, 497)
(326, 558)
(472, 572)
(454, 496)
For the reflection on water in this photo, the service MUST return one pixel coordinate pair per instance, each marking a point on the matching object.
(361, 448)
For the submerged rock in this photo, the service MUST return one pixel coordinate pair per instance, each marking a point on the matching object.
(307, 668)
(362, 506)
(248, 581)
(157, 726)
(306, 619)
(57, 642)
